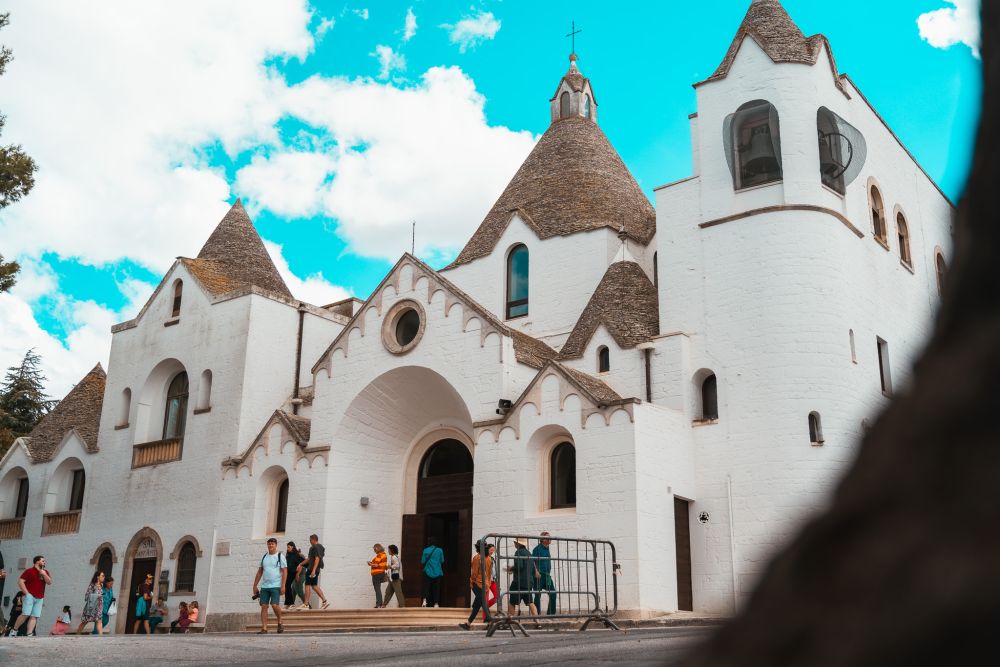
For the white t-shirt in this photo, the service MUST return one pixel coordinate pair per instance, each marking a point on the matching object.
(273, 565)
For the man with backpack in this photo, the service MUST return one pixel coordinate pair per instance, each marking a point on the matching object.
(271, 576)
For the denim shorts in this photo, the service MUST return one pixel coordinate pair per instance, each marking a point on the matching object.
(32, 606)
(270, 596)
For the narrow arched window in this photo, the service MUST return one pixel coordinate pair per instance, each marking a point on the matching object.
(940, 268)
(187, 561)
(124, 406)
(603, 359)
(564, 105)
(76, 490)
(656, 270)
(854, 353)
(710, 398)
(175, 413)
(21, 508)
(281, 507)
(586, 106)
(563, 482)
(517, 282)
(205, 391)
(815, 429)
(903, 234)
(105, 562)
(178, 290)
(878, 215)
(753, 145)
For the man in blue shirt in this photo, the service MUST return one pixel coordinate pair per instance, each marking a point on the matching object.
(432, 560)
(271, 576)
(542, 559)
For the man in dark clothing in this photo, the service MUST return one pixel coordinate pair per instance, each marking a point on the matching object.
(520, 583)
(543, 574)
(293, 586)
(312, 566)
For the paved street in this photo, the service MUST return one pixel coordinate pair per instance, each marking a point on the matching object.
(596, 647)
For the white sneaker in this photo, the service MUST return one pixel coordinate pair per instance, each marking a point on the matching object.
(436, 605)
(304, 607)
(423, 603)
(324, 605)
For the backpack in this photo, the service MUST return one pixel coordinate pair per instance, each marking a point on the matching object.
(281, 561)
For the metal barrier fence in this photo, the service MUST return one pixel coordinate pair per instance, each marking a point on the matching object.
(575, 578)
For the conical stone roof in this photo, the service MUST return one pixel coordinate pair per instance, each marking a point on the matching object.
(573, 181)
(234, 256)
(79, 411)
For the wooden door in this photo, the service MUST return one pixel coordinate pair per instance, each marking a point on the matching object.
(140, 568)
(682, 539)
(413, 538)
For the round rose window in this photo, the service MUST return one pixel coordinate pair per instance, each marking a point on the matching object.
(403, 327)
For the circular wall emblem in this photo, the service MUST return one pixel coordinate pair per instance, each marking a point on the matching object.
(703, 517)
(403, 326)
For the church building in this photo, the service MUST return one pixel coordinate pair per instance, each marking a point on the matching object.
(686, 378)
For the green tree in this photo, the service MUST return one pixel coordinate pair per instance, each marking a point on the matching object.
(23, 401)
(8, 274)
(17, 169)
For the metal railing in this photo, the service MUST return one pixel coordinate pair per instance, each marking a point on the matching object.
(576, 578)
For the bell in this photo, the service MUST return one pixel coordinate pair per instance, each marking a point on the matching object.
(760, 157)
(829, 163)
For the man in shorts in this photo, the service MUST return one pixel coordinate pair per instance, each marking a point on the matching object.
(313, 564)
(271, 576)
(32, 583)
(524, 575)
(146, 593)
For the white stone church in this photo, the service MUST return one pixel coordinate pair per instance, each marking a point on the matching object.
(685, 379)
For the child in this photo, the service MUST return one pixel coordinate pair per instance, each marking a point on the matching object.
(182, 619)
(192, 613)
(63, 622)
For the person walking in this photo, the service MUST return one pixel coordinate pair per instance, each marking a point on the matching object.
(183, 619)
(293, 584)
(109, 599)
(16, 606)
(158, 615)
(312, 566)
(432, 560)
(93, 604)
(32, 583)
(379, 564)
(479, 579)
(543, 574)
(395, 585)
(271, 576)
(491, 593)
(144, 600)
(520, 584)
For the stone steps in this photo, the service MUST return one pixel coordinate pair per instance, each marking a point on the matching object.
(316, 620)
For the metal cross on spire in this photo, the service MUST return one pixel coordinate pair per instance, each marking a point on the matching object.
(572, 35)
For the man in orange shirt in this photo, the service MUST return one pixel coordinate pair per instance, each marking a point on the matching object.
(481, 576)
(378, 567)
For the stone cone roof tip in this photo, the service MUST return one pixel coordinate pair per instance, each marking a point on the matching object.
(237, 251)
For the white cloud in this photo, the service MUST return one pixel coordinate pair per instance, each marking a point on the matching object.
(472, 30)
(114, 99)
(325, 26)
(959, 24)
(363, 13)
(410, 27)
(389, 61)
(285, 183)
(423, 152)
(314, 289)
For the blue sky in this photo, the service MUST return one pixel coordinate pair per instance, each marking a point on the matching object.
(339, 123)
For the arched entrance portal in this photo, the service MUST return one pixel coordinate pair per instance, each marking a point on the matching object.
(143, 556)
(444, 513)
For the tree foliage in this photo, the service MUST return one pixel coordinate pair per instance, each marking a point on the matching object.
(17, 169)
(23, 401)
(8, 273)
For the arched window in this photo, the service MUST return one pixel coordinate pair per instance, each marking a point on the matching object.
(564, 105)
(178, 289)
(753, 145)
(205, 391)
(517, 282)
(281, 507)
(603, 359)
(940, 268)
(878, 215)
(854, 353)
(835, 151)
(586, 106)
(124, 406)
(815, 429)
(76, 489)
(563, 478)
(175, 413)
(710, 398)
(903, 234)
(187, 560)
(446, 457)
(105, 562)
(21, 505)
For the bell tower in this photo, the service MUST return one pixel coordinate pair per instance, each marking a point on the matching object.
(574, 96)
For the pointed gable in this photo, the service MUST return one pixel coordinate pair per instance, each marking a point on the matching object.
(80, 411)
(626, 303)
(234, 256)
(572, 181)
(779, 37)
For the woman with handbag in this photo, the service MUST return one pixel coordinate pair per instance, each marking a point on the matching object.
(93, 604)
(395, 584)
